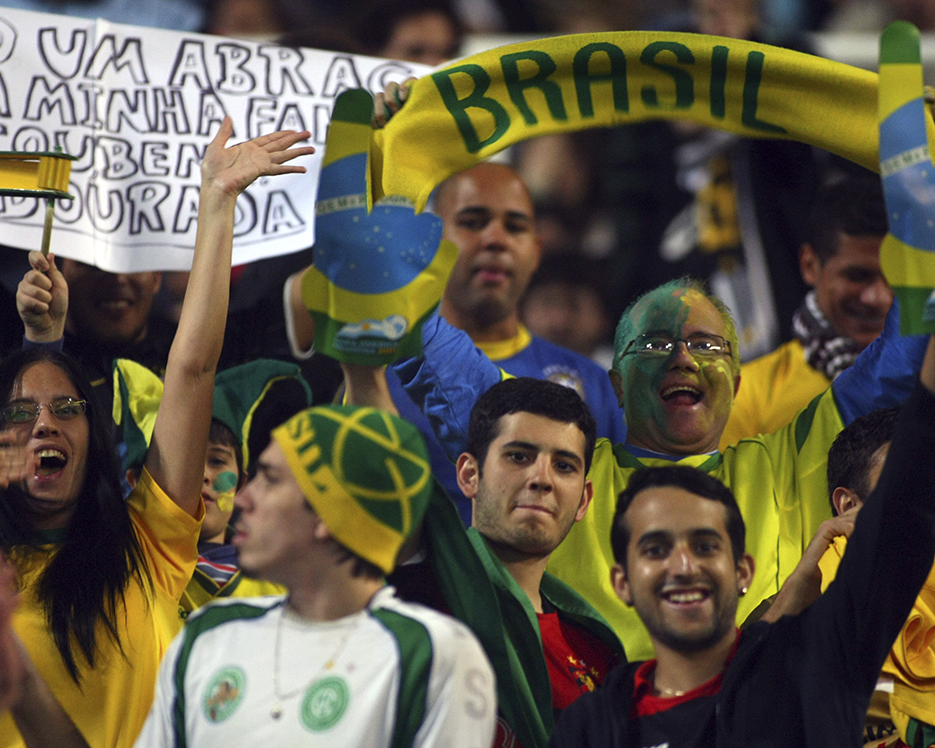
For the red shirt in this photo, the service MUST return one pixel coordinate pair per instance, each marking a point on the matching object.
(577, 660)
(645, 702)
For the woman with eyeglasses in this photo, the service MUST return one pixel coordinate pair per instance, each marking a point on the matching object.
(100, 577)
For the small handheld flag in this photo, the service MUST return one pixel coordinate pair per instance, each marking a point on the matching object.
(908, 251)
(377, 273)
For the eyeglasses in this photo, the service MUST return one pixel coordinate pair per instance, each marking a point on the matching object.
(63, 408)
(699, 344)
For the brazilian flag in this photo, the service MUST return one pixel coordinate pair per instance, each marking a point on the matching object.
(377, 273)
(908, 252)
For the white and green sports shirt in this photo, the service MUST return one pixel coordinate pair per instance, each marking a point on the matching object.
(400, 675)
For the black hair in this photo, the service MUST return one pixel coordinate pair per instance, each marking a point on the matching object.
(527, 395)
(689, 479)
(85, 580)
(378, 20)
(360, 567)
(851, 455)
(221, 434)
(853, 205)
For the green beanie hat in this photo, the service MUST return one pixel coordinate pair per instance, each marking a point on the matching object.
(241, 390)
(365, 472)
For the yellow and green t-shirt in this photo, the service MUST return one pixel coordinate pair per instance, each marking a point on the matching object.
(780, 485)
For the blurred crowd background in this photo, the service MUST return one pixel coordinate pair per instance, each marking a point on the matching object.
(619, 210)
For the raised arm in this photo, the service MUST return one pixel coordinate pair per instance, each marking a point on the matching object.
(366, 385)
(176, 454)
(42, 300)
(927, 373)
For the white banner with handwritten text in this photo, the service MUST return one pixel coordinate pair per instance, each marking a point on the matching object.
(137, 106)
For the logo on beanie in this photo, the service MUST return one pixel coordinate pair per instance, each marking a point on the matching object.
(361, 453)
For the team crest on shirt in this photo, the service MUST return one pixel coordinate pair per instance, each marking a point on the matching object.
(224, 693)
(566, 377)
(324, 703)
(580, 672)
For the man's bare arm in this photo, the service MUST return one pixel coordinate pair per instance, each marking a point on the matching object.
(366, 385)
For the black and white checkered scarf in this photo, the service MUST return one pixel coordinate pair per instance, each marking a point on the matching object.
(825, 350)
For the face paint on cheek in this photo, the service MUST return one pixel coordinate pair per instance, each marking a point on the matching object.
(720, 374)
(225, 485)
(641, 405)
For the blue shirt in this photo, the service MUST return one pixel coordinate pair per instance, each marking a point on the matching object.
(523, 356)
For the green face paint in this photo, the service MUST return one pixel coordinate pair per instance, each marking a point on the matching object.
(225, 486)
(676, 404)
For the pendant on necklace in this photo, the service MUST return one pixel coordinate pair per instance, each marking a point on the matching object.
(276, 712)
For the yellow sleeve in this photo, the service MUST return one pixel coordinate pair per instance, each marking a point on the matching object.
(167, 534)
(829, 562)
(773, 389)
(782, 490)
(913, 652)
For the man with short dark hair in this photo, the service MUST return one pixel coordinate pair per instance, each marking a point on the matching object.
(339, 660)
(903, 701)
(840, 316)
(529, 447)
(805, 679)
(489, 215)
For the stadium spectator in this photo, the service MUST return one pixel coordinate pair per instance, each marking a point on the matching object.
(339, 660)
(840, 316)
(102, 577)
(529, 449)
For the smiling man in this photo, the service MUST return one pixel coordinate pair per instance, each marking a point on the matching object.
(806, 679)
(680, 344)
(840, 316)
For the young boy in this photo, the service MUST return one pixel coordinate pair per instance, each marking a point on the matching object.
(248, 401)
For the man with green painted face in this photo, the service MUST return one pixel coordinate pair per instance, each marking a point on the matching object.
(676, 371)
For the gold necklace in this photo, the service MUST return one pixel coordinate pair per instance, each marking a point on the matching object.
(669, 692)
(276, 711)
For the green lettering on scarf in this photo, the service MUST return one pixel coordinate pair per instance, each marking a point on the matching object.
(517, 86)
(584, 77)
(476, 100)
(684, 83)
(718, 80)
(751, 90)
